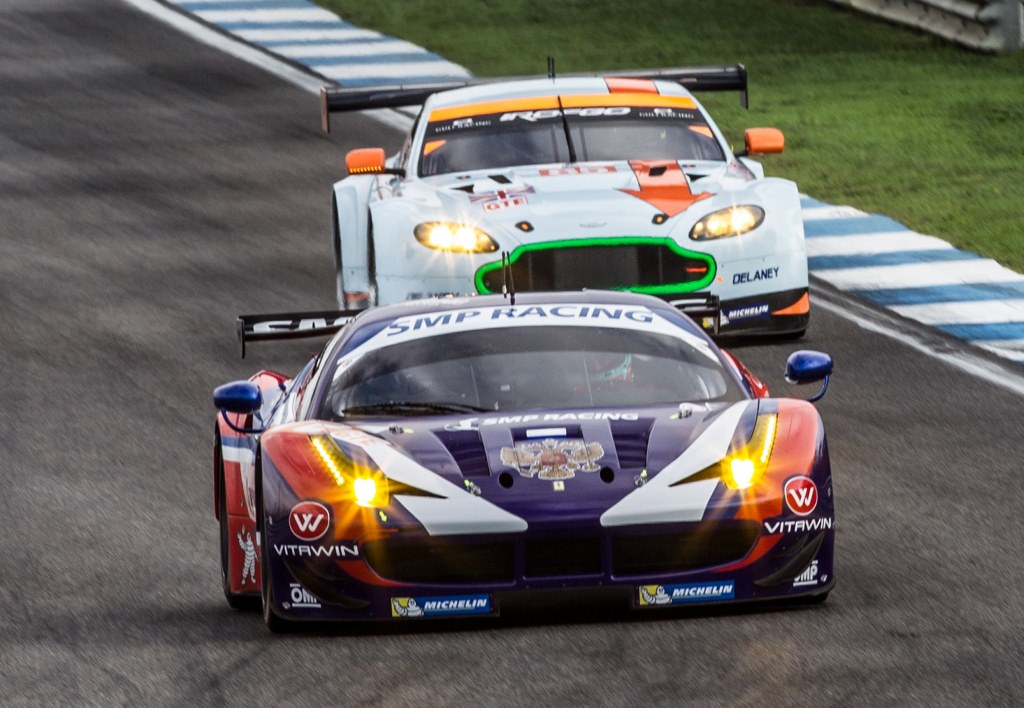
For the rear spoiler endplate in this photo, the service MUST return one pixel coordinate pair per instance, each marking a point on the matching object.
(292, 325)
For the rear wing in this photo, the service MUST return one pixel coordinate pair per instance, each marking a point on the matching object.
(706, 311)
(292, 325)
(698, 78)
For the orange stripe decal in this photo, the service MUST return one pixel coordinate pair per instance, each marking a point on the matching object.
(635, 100)
(663, 185)
(431, 145)
(800, 307)
(510, 105)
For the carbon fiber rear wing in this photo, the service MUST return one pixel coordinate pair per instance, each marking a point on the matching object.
(706, 311)
(697, 78)
(292, 325)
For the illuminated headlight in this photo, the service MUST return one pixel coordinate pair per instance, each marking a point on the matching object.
(459, 238)
(362, 485)
(724, 223)
(745, 467)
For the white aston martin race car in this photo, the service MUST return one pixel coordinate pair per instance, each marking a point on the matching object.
(606, 182)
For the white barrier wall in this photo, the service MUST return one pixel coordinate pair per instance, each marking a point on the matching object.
(988, 25)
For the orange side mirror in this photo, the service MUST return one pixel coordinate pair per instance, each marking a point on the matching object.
(764, 141)
(365, 161)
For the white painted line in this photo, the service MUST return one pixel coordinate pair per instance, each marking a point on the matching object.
(341, 72)
(367, 49)
(295, 35)
(830, 212)
(962, 359)
(1013, 345)
(974, 270)
(976, 312)
(1009, 349)
(269, 16)
(888, 242)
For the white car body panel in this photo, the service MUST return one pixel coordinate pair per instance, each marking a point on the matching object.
(377, 215)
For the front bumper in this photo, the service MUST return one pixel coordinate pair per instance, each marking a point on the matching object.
(759, 294)
(781, 313)
(409, 575)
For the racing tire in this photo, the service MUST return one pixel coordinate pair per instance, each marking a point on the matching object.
(336, 236)
(339, 278)
(275, 623)
(816, 599)
(235, 601)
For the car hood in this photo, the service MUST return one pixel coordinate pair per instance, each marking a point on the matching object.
(553, 466)
(592, 196)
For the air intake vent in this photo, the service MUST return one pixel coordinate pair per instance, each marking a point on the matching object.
(467, 450)
(631, 438)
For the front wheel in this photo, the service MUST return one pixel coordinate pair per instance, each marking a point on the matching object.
(275, 623)
(238, 602)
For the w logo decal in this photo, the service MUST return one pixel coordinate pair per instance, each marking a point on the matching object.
(801, 495)
(308, 520)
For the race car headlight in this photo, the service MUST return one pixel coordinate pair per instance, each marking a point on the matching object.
(745, 467)
(362, 485)
(458, 238)
(724, 223)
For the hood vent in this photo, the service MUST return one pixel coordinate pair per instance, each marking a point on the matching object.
(631, 438)
(467, 450)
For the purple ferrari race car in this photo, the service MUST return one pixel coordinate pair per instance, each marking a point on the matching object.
(443, 457)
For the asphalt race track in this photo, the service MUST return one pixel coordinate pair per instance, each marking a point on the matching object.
(151, 189)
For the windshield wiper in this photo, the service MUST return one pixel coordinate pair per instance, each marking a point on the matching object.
(409, 408)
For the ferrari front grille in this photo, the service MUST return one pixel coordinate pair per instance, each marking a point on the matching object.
(563, 557)
(690, 547)
(418, 559)
(504, 560)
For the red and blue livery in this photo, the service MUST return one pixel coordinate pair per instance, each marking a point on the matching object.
(444, 457)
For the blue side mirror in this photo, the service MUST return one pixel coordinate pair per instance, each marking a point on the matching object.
(238, 397)
(806, 366)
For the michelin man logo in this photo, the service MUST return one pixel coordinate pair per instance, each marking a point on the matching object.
(553, 459)
(249, 549)
(659, 596)
(405, 607)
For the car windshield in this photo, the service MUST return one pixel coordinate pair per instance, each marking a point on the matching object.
(518, 368)
(539, 138)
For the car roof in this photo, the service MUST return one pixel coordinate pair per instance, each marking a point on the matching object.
(524, 88)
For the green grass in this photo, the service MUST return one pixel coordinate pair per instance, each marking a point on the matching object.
(877, 116)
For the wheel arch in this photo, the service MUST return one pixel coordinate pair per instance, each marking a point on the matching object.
(351, 223)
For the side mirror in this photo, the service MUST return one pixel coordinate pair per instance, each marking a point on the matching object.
(238, 397)
(763, 141)
(365, 161)
(806, 366)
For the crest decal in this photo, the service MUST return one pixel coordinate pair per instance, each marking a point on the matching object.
(502, 198)
(553, 459)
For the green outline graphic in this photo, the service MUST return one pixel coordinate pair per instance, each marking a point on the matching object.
(664, 289)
